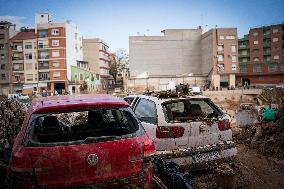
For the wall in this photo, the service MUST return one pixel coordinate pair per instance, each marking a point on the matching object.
(207, 52)
(91, 54)
(177, 52)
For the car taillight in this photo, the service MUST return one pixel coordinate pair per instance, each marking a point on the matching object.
(169, 132)
(149, 148)
(224, 125)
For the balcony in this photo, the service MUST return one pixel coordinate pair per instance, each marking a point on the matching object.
(266, 36)
(245, 38)
(266, 45)
(44, 78)
(243, 55)
(267, 62)
(267, 53)
(42, 35)
(40, 47)
(17, 49)
(243, 47)
(18, 59)
(46, 57)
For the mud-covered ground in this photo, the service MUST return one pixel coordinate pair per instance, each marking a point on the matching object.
(250, 170)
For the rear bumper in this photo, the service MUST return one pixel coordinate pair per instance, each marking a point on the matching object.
(184, 157)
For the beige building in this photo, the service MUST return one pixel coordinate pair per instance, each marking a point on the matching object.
(96, 53)
(24, 61)
(220, 56)
(183, 56)
(7, 30)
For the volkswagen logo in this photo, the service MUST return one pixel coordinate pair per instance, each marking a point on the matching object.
(92, 159)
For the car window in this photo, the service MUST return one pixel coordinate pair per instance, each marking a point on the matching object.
(189, 109)
(146, 111)
(81, 125)
(129, 100)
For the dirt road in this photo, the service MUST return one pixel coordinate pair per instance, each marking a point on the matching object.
(260, 171)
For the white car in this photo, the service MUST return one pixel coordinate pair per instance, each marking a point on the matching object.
(188, 131)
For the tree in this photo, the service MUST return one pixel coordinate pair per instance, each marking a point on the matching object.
(118, 63)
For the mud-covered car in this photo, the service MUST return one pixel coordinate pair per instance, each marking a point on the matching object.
(187, 130)
(92, 141)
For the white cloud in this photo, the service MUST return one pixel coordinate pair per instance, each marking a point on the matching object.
(18, 20)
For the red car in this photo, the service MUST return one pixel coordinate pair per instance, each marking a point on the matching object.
(83, 141)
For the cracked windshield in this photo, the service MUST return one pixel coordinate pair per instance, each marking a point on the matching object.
(141, 94)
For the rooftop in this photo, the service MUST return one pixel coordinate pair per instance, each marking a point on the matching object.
(24, 35)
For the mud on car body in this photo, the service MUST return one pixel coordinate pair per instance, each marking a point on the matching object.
(81, 141)
(189, 131)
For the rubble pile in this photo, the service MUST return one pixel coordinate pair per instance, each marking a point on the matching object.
(266, 136)
(12, 114)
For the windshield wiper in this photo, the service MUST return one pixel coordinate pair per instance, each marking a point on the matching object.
(100, 139)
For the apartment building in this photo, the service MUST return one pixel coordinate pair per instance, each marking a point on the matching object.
(261, 56)
(59, 48)
(24, 63)
(7, 30)
(220, 56)
(183, 56)
(96, 53)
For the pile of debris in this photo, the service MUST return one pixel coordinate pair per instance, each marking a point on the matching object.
(266, 136)
(12, 114)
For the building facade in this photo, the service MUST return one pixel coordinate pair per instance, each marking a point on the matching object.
(7, 30)
(80, 74)
(220, 56)
(96, 53)
(184, 56)
(59, 48)
(24, 61)
(261, 56)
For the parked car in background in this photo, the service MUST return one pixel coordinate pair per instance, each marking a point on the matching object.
(91, 141)
(188, 130)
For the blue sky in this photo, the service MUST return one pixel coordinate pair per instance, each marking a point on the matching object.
(115, 20)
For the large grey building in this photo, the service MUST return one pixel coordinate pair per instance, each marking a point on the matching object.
(7, 30)
(183, 56)
(177, 52)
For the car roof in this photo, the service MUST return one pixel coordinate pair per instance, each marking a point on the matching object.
(162, 100)
(53, 103)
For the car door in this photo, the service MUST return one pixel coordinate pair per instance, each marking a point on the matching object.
(146, 112)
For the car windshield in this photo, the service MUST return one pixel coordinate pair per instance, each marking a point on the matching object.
(81, 125)
(190, 109)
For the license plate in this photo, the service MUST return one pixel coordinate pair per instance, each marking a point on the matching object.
(206, 157)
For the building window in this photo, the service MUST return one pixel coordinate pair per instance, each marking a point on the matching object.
(272, 67)
(3, 76)
(256, 59)
(268, 58)
(81, 77)
(55, 53)
(243, 68)
(221, 37)
(244, 52)
(234, 49)
(220, 67)
(1, 46)
(3, 67)
(255, 34)
(29, 77)
(255, 42)
(36, 77)
(234, 58)
(220, 47)
(76, 76)
(275, 30)
(220, 58)
(276, 57)
(56, 64)
(2, 56)
(257, 68)
(55, 43)
(234, 67)
(244, 60)
(54, 31)
(29, 56)
(56, 74)
(275, 39)
(230, 37)
(28, 45)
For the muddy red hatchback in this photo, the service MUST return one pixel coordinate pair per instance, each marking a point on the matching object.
(85, 141)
